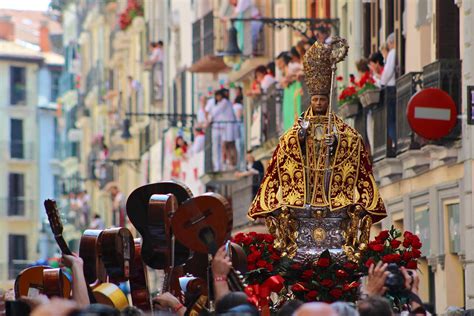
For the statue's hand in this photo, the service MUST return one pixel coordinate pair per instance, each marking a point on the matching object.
(329, 139)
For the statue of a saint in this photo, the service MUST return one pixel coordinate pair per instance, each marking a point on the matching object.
(319, 191)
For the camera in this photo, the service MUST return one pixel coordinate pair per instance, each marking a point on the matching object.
(395, 281)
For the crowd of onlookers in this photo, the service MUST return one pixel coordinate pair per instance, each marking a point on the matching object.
(371, 301)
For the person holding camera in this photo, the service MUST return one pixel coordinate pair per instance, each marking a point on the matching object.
(389, 278)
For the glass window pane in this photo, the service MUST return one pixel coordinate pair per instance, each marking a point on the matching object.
(454, 232)
(422, 229)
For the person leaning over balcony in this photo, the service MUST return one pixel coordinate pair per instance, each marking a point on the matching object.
(264, 80)
(282, 61)
(255, 169)
(376, 66)
(387, 81)
(388, 74)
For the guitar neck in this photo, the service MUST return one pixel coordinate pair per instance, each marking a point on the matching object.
(166, 281)
(63, 245)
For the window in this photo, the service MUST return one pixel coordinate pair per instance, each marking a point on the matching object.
(422, 228)
(17, 85)
(16, 139)
(16, 194)
(16, 252)
(421, 12)
(55, 75)
(454, 228)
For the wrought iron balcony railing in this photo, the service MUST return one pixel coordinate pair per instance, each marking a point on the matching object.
(17, 207)
(384, 116)
(18, 150)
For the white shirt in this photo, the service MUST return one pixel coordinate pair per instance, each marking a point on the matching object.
(388, 74)
(238, 108)
(156, 55)
(267, 81)
(201, 116)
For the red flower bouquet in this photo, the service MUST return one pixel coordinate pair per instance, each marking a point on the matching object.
(348, 95)
(134, 8)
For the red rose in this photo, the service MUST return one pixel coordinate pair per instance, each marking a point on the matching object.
(327, 283)
(295, 266)
(247, 241)
(269, 267)
(253, 248)
(336, 293)
(391, 258)
(383, 235)
(251, 266)
(308, 274)
(369, 262)
(416, 253)
(323, 262)
(416, 243)
(407, 242)
(412, 265)
(376, 247)
(350, 266)
(239, 237)
(268, 238)
(342, 274)
(270, 247)
(339, 78)
(261, 263)
(395, 244)
(407, 234)
(252, 234)
(407, 255)
(311, 295)
(298, 287)
(275, 256)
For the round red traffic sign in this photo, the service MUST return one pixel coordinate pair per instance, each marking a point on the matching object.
(431, 113)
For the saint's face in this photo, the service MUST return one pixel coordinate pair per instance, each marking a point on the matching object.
(319, 104)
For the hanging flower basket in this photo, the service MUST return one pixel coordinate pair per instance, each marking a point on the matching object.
(369, 97)
(349, 109)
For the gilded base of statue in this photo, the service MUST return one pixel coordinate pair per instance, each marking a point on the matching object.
(303, 234)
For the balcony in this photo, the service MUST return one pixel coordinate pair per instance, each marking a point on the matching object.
(17, 150)
(446, 74)
(407, 86)
(209, 39)
(384, 117)
(17, 207)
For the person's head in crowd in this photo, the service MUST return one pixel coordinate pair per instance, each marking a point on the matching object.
(114, 190)
(219, 95)
(322, 34)
(315, 309)
(391, 41)
(131, 311)
(374, 306)
(260, 73)
(238, 99)
(160, 44)
(230, 301)
(153, 45)
(238, 91)
(282, 60)
(57, 306)
(289, 308)
(225, 93)
(344, 309)
(98, 310)
(301, 47)
(295, 56)
(180, 142)
(376, 62)
(271, 68)
(362, 66)
(249, 157)
(384, 50)
(453, 311)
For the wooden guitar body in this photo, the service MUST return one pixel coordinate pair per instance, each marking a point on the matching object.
(89, 247)
(140, 210)
(116, 250)
(31, 281)
(202, 222)
(139, 280)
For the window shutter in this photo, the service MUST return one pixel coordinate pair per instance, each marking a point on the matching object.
(447, 30)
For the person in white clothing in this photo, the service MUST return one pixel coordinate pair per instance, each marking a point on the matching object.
(388, 74)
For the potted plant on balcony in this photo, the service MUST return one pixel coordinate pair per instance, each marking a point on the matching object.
(369, 93)
(134, 8)
(348, 102)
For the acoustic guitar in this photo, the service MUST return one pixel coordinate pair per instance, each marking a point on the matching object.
(153, 236)
(95, 272)
(31, 282)
(117, 249)
(139, 280)
(202, 224)
(104, 293)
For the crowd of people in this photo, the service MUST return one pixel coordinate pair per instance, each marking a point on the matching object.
(227, 302)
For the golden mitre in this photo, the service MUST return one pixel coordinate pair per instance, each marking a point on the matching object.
(317, 65)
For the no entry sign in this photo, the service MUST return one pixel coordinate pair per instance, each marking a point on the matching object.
(431, 113)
